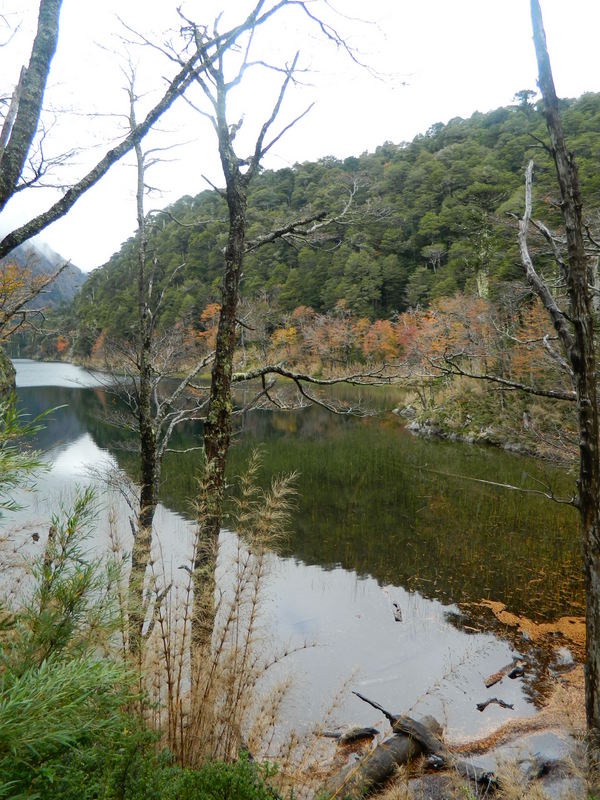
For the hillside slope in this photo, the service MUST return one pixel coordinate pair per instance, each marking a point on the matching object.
(429, 218)
(42, 260)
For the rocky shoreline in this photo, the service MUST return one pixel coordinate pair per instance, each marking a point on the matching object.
(429, 429)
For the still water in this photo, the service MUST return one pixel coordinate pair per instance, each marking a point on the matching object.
(381, 517)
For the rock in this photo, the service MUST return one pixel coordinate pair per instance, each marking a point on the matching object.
(515, 447)
(407, 412)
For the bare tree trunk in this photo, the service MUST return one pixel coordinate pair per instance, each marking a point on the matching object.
(217, 428)
(142, 543)
(582, 358)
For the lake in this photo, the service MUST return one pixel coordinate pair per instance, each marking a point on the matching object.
(381, 517)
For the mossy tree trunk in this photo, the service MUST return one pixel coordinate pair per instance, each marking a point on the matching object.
(7, 376)
(21, 123)
(217, 428)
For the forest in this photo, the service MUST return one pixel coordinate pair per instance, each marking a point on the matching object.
(428, 219)
(424, 265)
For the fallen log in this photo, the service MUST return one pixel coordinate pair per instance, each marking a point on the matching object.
(375, 769)
(484, 705)
(410, 739)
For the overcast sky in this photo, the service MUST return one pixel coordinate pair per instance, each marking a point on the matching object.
(430, 60)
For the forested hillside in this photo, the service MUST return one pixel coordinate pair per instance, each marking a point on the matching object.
(429, 218)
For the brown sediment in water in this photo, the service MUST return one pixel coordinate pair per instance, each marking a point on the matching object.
(564, 713)
(571, 628)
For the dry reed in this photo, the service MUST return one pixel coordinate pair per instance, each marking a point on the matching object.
(211, 702)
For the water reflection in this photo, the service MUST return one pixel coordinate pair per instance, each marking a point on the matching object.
(368, 501)
(423, 664)
(48, 373)
(371, 514)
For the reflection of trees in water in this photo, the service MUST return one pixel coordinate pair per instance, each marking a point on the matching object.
(365, 502)
(63, 425)
(307, 422)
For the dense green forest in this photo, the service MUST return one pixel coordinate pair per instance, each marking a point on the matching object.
(428, 218)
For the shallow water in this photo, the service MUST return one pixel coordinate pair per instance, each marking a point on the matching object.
(382, 517)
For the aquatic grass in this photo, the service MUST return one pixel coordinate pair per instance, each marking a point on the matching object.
(369, 501)
(375, 499)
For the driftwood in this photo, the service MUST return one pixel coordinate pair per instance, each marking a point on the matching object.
(410, 738)
(375, 769)
(484, 705)
(351, 735)
(391, 718)
(515, 669)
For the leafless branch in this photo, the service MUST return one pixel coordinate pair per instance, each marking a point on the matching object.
(454, 368)
(549, 494)
(537, 284)
(369, 378)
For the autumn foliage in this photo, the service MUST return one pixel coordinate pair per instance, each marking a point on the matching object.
(17, 287)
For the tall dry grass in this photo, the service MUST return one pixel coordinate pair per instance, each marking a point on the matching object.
(215, 701)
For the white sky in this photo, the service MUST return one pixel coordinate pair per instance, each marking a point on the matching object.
(437, 59)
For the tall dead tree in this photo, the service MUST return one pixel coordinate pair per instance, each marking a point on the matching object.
(575, 330)
(238, 173)
(217, 427)
(144, 362)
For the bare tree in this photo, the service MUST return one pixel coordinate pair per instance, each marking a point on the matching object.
(21, 122)
(216, 84)
(575, 330)
(156, 412)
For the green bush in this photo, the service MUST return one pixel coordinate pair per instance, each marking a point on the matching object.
(123, 766)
